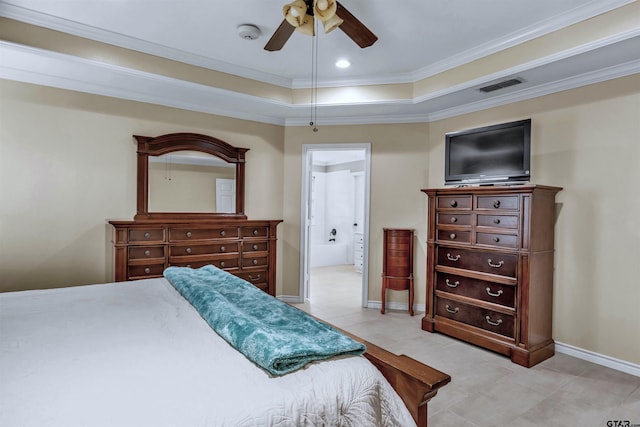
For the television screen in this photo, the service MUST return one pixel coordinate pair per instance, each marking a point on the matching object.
(491, 154)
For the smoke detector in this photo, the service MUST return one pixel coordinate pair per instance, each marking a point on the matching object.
(248, 31)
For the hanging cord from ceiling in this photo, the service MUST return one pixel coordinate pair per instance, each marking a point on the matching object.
(314, 82)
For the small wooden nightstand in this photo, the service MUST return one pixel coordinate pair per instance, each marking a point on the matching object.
(397, 263)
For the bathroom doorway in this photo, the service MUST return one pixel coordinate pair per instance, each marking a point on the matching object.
(334, 223)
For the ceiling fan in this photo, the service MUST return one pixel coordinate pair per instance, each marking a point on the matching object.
(300, 15)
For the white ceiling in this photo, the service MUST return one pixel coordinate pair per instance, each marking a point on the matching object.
(417, 39)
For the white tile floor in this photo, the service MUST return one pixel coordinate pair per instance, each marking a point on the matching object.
(486, 388)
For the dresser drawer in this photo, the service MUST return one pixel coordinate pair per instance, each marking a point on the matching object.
(178, 234)
(479, 317)
(458, 236)
(190, 264)
(477, 289)
(453, 219)
(453, 202)
(141, 271)
(254, 261)
(146, 235)
(498, 240)
(225, 263)
(146, 252)
(254, 231)
(248, 247)
(213, 249)
(486, 262)
(257, 278)
(498, 221)
(498, 202)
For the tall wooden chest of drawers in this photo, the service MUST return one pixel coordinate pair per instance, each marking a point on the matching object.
(490, 257)
(245, 248)
(397, 263)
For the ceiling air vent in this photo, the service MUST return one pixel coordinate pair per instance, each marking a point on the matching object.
(500, 85)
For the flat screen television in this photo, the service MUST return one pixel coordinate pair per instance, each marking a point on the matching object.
(497, 154)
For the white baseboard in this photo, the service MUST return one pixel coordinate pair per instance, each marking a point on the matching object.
(290, 299)
(599, 359)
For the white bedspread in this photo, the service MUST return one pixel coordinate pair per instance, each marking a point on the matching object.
(137, 354)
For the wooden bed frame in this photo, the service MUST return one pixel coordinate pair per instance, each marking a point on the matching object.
(415, 382)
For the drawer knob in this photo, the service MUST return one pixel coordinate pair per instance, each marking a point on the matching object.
(188, 250)
(255, 247)
(497, 294)
(222, 232)
(455, 258)
(453, 310)
(254, 278)
(454, 203)
(222, 264)
(496, 239)
(147, 270)
(223, 249)
(496, 220)
(454, 285)
(491, 322)
(147, 252)
(147, 235)
(452, 236)
(256, 232)
(496, 204)
(188, 234)
(454, 219)
(498, 265)
(255, 262)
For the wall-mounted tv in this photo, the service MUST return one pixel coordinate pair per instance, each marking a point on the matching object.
(487, 155)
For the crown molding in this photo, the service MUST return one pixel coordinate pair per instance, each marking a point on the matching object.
(558, 56)
(89, 32)
(558, 22)
(614, 72)
(37, 66)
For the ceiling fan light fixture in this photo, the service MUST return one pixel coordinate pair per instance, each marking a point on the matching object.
(325, 11)
(295, 12)
(308, 26)
(343, 63)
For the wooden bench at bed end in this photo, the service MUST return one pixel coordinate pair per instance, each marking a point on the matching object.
(415, 382)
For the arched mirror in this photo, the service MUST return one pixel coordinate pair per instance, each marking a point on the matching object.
(188, 175)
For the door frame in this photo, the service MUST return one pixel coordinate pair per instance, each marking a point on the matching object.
(305, 212)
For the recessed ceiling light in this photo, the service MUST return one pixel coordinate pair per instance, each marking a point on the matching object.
(343, 63)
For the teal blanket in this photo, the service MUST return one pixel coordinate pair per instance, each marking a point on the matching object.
(269, 332)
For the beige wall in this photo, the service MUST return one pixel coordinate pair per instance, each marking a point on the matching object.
(68, 163)
(586, 141)
(398, 172)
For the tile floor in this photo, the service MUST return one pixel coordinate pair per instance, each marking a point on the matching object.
(486, 388)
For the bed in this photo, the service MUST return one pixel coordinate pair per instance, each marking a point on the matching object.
(138, 353)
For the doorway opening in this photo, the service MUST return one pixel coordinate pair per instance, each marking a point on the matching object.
(335, 222)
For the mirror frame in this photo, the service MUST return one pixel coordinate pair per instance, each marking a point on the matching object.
(169, 143)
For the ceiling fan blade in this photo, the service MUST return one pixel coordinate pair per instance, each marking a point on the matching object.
(355, 29)
(280, 37)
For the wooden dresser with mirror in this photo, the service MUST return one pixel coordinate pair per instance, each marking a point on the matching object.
(190, 213)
